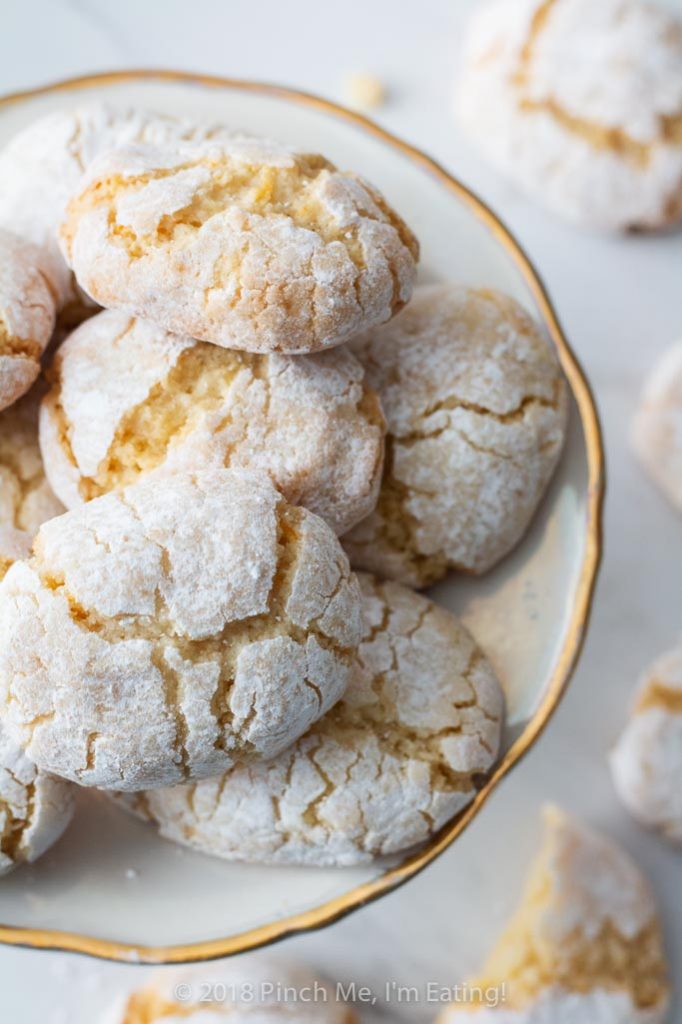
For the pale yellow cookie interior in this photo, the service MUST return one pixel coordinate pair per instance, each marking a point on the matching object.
(531, 958)
(309, 422)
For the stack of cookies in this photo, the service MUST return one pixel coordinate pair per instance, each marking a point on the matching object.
(241, 418)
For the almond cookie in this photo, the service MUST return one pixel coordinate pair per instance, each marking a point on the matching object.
(244, 991)
(580, 103)
(646, 763)
(35, 808)
(382, 771)
(129, 398)
(26, 500)
(657, 430)
(27, 315)
(584, 946)
(42, 166)
(476, 410)
(174, 628)
(244, 243)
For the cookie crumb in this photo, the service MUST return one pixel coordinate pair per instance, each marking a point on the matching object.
(364, 91)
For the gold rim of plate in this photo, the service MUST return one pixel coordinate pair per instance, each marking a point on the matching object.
(332, 911)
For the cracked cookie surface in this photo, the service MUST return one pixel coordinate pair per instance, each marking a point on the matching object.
(129, 398)
(27, 315)
(396, 758)
(246, 244)
(657, 429)
(41, 167)
(476, 412)
(584, 945)
(646, 763)
(580, 103)
(26, 499)
(174, 628)
(245, 991)
(35, 807)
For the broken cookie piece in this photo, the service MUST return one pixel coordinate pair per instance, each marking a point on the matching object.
(584, 945)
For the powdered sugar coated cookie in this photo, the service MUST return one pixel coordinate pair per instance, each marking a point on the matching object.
(584, 945)
(476, 411)
(128, 398)
(243, 243)
(581, 104)
(245, 991)
(26, 500)
(646, 763)
(173, 628)
(42, 165)
(35, 808)
(27, 315)
(382, 771)
(657, 429)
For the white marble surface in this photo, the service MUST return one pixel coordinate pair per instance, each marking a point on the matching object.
(621, 303)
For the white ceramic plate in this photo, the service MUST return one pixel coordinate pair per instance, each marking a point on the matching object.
(111, 887)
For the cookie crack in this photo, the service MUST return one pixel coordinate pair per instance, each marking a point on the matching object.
(610, 138)
(658, 695)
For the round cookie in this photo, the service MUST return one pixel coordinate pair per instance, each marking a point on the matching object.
(657, 428)
(476, 410)
(243, 991)
(26, 501)
(35, 808)
(243, 243)
(27, 315)
(396, 758)
(41, 167)
(580, 103)
(585, 944)
(646, 763)
(174, 628)
(129, 398)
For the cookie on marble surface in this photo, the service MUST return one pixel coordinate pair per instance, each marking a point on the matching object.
(41, 166)
(35, 807)
(657, 428)
(27, 316)
(243, 991)
(174, 628)
(584, 945)
(580, 103)
(476, 410)
(646, 763)
(246, 243)
(128, 398)
(26, 500)
(396, 758)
